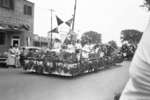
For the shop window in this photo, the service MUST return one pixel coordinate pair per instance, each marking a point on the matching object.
(27, 10)
(9, 4)
(2, 38)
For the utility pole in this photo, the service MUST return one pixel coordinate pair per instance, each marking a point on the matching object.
(50, 44)
(74, 15)
(40, 41)
(51, 28)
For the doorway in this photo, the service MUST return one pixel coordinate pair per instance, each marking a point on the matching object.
(15, 41)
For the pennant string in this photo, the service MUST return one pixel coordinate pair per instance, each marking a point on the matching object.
(55, 30)
(69, 22)
(59, 21)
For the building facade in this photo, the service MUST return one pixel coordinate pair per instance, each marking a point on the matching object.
(39, 41)
(16, 23)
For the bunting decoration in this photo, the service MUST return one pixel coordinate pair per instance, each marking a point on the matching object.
(69, 22)
(59, 21)
(55, 30)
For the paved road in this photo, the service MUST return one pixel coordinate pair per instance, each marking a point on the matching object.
(16, 85)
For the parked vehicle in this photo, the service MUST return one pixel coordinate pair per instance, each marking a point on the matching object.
(31, 48)
(3, 58)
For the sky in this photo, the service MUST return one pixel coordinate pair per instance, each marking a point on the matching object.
(107, 17)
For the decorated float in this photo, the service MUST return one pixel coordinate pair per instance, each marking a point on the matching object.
(70, 61)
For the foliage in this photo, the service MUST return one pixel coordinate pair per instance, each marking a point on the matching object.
(109, 50)
(131, 36)
(105, 48)
(113, 44)
(51, 62)
(146, 4)
(90, 37)
(128, 51)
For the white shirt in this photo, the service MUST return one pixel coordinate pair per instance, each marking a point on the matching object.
(138, 86)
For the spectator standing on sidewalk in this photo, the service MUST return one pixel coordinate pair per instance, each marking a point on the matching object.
(22, 57)
(11, 57)
(17, 56)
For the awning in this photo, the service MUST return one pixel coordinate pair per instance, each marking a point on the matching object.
(26, 27)
(14, 28)
(3, 27)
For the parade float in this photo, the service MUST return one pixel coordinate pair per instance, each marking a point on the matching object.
(70, 59)
(69, 62)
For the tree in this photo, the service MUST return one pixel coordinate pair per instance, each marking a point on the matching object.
(90, 37)
(146, 4)
(128, 51)
(131, 36)
(113, 44)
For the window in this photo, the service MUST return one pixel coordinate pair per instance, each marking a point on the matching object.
(9, 4)
(37, 44)
(2, 38)
(27, 10)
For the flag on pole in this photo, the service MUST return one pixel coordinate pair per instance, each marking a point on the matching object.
(59, 21)
(55, 30)
(69, 22)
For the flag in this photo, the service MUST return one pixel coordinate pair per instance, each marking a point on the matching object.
(55, 30)
(69, 22)
(59, 21)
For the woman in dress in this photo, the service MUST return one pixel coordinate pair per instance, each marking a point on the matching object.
(11, 57)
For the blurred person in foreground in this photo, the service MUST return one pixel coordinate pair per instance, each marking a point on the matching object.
(138, 85)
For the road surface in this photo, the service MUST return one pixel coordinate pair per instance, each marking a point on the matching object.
(17, 85)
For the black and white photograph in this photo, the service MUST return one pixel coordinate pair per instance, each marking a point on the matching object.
(74, 50)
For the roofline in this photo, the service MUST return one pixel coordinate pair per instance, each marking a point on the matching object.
(29, 1)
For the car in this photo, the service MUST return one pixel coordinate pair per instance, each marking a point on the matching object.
(30, 48)
(3, 58)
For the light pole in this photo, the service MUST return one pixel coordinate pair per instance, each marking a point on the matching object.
(51, 28)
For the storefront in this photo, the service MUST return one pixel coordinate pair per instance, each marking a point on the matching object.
(11, 35)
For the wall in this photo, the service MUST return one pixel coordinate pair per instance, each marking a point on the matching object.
(16, 17)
